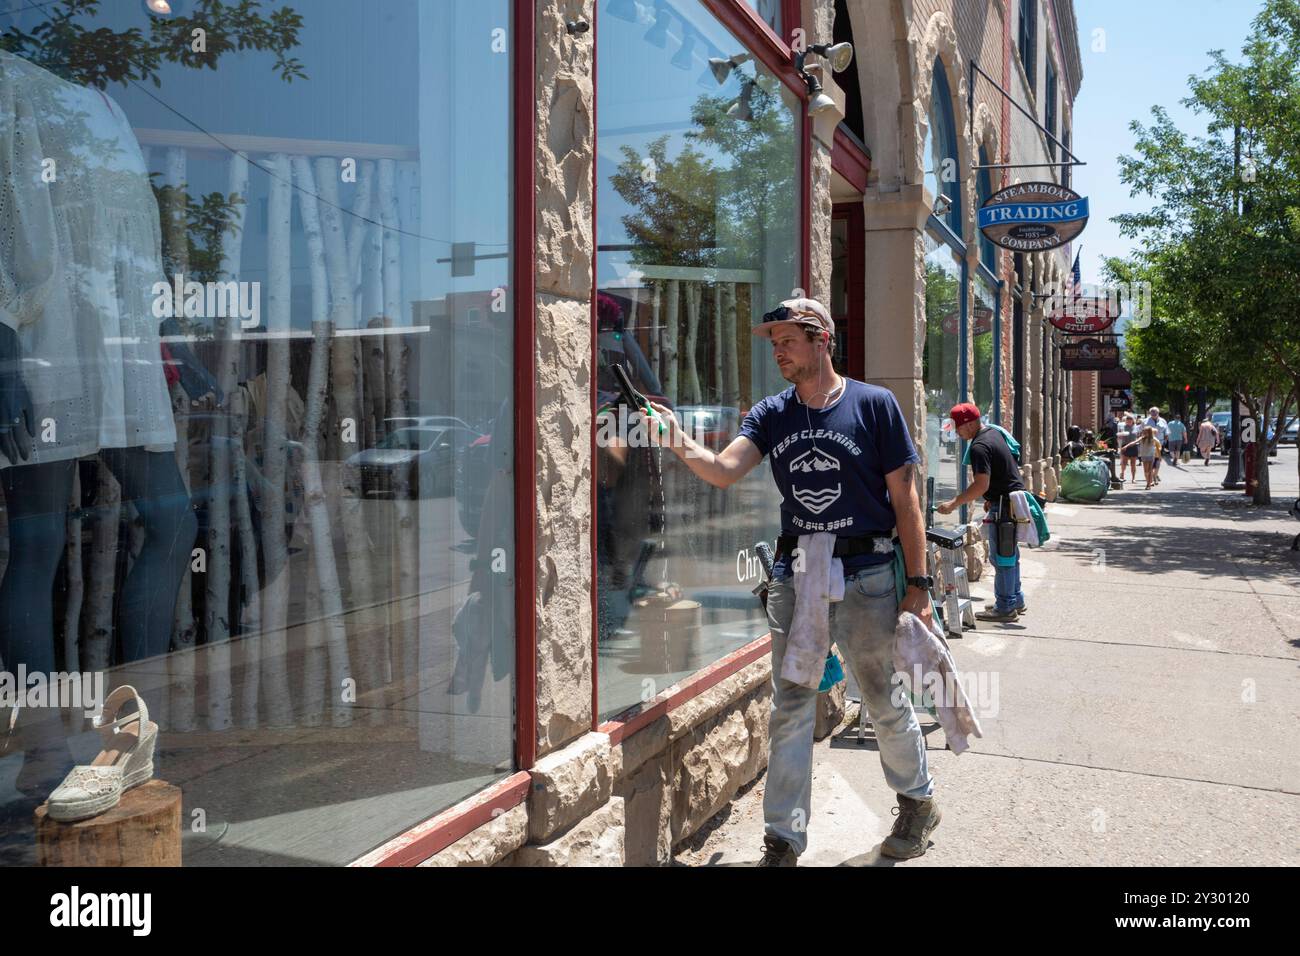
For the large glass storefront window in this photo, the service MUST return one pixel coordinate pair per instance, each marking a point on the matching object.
(254, 307)
(696, 237)
(941, 369)
(984, 344)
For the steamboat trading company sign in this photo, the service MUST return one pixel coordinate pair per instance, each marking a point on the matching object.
(1033, 217)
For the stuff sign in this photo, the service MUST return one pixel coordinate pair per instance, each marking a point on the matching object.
(1083, 316)
(1033, 217)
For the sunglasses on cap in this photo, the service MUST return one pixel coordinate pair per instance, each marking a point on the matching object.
(783, 313)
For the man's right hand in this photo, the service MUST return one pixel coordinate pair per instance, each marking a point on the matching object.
(671, 434)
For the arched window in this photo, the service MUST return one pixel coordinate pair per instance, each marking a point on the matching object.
(943, 170)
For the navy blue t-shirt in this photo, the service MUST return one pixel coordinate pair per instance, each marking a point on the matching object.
(830, 464)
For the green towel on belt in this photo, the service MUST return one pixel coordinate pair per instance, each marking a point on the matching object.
(1011, 443)
(1040, 520)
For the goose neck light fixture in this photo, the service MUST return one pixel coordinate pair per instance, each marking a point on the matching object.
(839, 56)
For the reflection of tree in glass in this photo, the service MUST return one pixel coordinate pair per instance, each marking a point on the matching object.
(674, 199)
(206, 221)
(98, 57)
(692, 211)
(940, 302)
(758, 187)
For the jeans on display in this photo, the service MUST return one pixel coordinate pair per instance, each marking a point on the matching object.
(862, 626)
(1006, 581)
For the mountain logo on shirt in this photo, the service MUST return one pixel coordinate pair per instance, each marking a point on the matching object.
(814, 461)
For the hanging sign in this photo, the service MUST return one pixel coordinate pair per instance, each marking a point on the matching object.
(1033, 217)
(983, 321)
(1084, 316)
(1089, 355)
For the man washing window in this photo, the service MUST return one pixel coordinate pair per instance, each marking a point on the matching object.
(843, 461)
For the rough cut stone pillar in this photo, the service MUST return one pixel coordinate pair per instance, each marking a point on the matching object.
(895, 278)
(565, 149)
(1034, 398)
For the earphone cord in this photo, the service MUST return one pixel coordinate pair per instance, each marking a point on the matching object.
(821, 374)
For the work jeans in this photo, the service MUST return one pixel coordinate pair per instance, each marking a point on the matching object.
(862, 626)
(1006, 581)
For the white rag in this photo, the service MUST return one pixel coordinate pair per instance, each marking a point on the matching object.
(818, 580)
(920, 655)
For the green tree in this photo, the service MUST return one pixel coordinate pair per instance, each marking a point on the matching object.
(1221, 240)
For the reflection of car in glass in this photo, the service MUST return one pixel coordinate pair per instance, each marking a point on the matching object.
(428, 455)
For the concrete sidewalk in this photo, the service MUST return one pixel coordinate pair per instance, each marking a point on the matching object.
(1147, 707)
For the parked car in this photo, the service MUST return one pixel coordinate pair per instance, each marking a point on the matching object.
(428, 454)
(1291, 434)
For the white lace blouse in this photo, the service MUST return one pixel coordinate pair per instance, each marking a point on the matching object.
(80, 251)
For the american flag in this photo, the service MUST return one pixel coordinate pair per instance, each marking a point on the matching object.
(1076, 283)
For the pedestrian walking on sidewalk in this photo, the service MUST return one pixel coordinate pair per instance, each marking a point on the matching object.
(1177, 436)
(1153, 420)
(1206, 438)
(843, 461)
(995, 474)
(1128, 434)
(1147, 448)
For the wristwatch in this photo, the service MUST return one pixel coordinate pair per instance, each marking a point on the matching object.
(924, 583)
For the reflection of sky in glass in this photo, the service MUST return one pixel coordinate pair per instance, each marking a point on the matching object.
(385, 74)
(646, 91)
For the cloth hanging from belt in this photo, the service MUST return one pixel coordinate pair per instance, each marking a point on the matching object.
(818, 581)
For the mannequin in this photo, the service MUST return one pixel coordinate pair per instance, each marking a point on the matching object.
(81, 367)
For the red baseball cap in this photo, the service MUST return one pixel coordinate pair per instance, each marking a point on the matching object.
(963, 413)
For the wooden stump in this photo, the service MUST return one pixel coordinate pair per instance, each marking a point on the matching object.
(143, 830)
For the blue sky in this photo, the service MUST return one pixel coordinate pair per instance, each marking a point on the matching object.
(1150, 49)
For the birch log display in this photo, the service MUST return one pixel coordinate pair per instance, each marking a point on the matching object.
(396, 352)
(690, 387)
(252, 622)
(102, 571)
(357, 230)
(730, 359)
(655, 358)
(344, 373)
(185, 633)
(719, 381)
(275, 546)
(76, 588)
(180, 665)
(673, 294)
(217, 605)
(329, 590)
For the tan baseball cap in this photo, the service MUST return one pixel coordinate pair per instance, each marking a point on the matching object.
(806, 312)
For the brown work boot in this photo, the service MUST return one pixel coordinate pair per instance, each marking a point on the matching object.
(777, 852)
(911, 834)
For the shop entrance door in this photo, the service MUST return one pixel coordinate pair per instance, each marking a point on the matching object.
(848, 288)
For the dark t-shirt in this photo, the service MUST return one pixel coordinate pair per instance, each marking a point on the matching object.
(830, 464)
(989, 455)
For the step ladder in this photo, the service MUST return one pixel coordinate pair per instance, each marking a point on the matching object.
(945, 545)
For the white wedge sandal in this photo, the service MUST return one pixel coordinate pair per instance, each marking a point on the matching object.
(125, 762)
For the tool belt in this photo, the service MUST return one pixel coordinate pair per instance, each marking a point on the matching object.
(874, 542)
